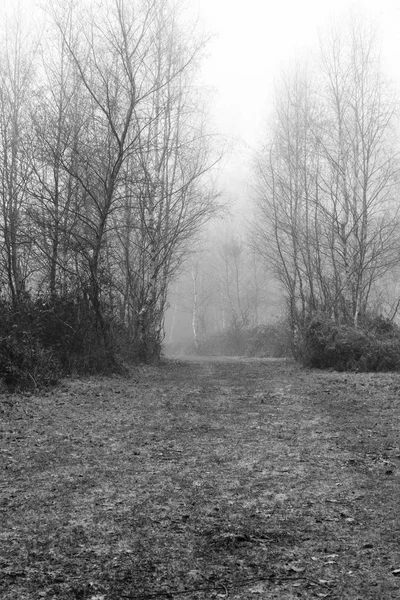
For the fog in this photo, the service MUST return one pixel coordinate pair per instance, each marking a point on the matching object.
(247, 54)
(178, 172)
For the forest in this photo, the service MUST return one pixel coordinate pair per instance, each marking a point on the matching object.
(198, 400)
(104, 158)
(111, 215)
(316, 274)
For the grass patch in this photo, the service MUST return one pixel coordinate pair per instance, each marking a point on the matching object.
(203, 479)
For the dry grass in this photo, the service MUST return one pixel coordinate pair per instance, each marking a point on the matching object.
(238, 479)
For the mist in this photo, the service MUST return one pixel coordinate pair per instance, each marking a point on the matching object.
(167, 190)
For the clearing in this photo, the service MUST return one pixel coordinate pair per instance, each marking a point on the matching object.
(225, 478)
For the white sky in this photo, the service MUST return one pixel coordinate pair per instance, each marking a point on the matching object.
(253, 40)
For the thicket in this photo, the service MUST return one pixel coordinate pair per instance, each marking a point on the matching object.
(43, 339)
(374, 345)
(103, 182)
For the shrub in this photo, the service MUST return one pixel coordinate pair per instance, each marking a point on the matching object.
(68, 326)
(25, 364)
(43, 339)
(270, 340)
(374, 346)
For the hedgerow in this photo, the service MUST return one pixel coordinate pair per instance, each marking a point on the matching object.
(372, 346)
(44, 339)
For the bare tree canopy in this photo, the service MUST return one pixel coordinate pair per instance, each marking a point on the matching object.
(104, 161)
(327, 181)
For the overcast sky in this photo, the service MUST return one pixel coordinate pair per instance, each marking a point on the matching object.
(253, 40)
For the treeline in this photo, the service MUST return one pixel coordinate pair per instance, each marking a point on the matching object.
(327, 203)
(104, 157)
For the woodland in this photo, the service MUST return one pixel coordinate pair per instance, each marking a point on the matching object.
(103, 160)
(325, 220)
(236, 472)
(108, 189)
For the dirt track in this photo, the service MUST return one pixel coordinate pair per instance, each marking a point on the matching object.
(239, 478)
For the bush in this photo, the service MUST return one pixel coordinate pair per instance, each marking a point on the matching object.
(44, 339)
(270, 340)
(68, 327)
(25, 364)
(374, 346)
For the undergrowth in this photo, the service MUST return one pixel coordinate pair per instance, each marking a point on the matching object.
(43, 339)
(372, 346)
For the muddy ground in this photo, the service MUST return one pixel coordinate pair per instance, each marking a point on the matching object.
(229, 478)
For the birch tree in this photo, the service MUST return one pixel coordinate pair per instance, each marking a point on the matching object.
(16, 77)
(361, 167)
(57, 123)
(327, 182)
(134, 164)
(287, 234)
(166, 199)
(104, 163)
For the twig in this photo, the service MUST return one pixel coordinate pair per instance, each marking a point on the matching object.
(225, 589)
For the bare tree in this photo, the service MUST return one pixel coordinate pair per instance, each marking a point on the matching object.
(16, 77)
(104, 163)
(326, 182)
(134, 163)
(57, 122)
(361, 167)
(166, 197)
(287, 178)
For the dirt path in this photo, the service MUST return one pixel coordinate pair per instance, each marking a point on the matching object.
(239, 478)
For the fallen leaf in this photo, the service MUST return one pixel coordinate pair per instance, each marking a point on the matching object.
(194, 573)
(257, 589)
(296, 569)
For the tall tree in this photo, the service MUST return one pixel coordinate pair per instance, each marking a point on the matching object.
(104, 161)
(139, 159)
(58, 121)
(166, 201)
(17, 54)
(361, 167)
(326, 182)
